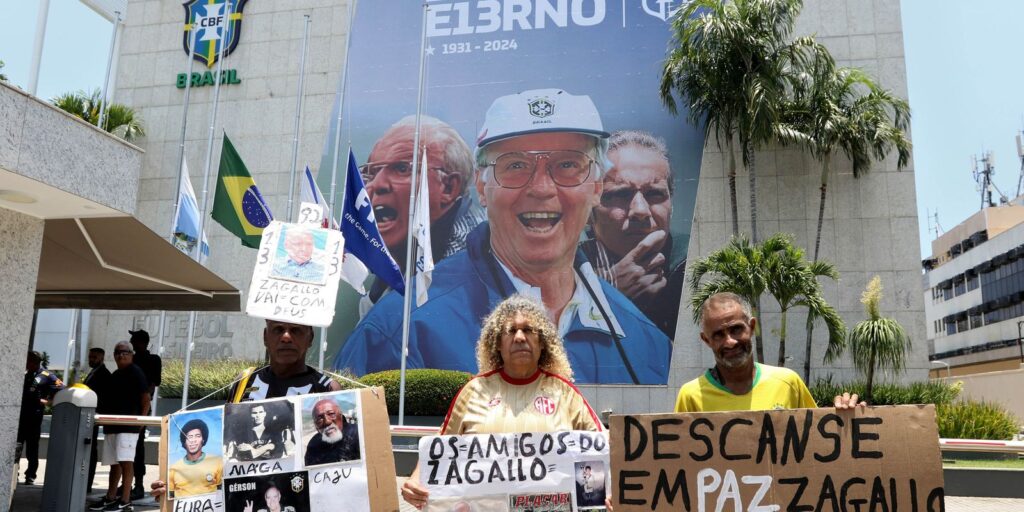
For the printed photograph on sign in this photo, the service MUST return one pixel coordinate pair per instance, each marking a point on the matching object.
(330, 428)
(542, 502)
(590, 484)
(259, 437)
(549, 172)
(497, 503)
(285, 492)
(300, 255)
(195, 466)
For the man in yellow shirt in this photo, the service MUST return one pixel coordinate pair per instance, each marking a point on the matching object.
(736, 382)
(197, 472)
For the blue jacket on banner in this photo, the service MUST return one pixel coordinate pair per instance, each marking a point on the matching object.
(466, 287)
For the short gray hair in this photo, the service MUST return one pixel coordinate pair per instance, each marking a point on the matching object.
(721, 297)
(642, 140)
(458, 159)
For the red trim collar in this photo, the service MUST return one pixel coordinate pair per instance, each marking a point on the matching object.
(519, 382)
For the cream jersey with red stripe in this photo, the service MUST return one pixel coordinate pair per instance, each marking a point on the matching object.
(494, 402)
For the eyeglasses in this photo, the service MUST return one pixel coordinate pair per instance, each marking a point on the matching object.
(122, 352)
(400, 171)
(567, 168)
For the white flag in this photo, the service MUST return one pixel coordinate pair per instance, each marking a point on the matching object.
(187, 219)
(421, 228)
(310, 193)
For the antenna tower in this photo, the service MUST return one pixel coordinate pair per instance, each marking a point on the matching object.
(983, 177)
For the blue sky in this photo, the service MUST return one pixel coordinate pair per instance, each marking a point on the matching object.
(964, 86)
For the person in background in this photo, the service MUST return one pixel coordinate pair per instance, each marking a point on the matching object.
(98, 380)
(39, 387)
(129, 396)
(151, 366)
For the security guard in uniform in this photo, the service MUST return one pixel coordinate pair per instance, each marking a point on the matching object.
(39, 388)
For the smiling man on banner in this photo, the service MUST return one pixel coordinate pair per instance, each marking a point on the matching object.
(541, 156)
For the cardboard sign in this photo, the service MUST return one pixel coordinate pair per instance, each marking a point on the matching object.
(296, 275)
(313, 453)
(880, 459)
(516, 472)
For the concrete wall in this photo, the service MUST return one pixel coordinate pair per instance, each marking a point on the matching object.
(258, 116)
(1000, 387)
(19, 257)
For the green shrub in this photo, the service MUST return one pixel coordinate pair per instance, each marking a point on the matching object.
(929, 392)
(975, 420)
(206, 377)
(427, 392)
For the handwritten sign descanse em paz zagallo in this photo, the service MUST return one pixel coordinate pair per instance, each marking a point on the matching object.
(307, 453)
(296, 276)
(878, 459)
(516, 472)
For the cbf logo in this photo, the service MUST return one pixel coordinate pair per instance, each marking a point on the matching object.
(212, 19)
(541, 107)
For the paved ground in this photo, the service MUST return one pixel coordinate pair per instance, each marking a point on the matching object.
(28, 497)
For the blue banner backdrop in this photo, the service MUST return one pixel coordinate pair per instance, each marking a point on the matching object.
(478, 51)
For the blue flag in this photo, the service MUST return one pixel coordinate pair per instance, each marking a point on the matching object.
(359, 227)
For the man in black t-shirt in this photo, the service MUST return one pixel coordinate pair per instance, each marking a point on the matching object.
(98, 380)
(152, 367)
(286, 375)
(128, 395)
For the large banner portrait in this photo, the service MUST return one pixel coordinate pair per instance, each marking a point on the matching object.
(307, 453)
(553, 171)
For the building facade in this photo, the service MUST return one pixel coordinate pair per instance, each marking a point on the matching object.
(974, 294)
(866, 221)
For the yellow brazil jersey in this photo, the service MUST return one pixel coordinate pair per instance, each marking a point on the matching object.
(185, 478)
(494, 402)
(773, 388)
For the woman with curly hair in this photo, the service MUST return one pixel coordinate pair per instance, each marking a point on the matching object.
(524, 385)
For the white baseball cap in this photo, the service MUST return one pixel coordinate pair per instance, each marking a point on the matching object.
(539, 111)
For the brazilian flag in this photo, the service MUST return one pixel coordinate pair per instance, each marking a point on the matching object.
(238, 204)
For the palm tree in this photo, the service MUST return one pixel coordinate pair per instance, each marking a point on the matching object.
(876, 343)
(741, 267)
(120, 120)
(3, 77)
(793, 282)
(845, 109)
(734, 66)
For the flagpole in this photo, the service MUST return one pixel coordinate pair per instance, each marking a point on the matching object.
(106, 77)
(298, 115)
(177, 189)
(229, 10)
(337, 146)
(407, 299)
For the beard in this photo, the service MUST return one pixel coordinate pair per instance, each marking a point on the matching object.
(736, 359)
(331, 434)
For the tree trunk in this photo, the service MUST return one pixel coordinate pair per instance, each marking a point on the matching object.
(753, 191)
(821, 204)
(817, 244)
(807, 354)
(758, 339)
(871, 378)
(732, 191)
(782, 338)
